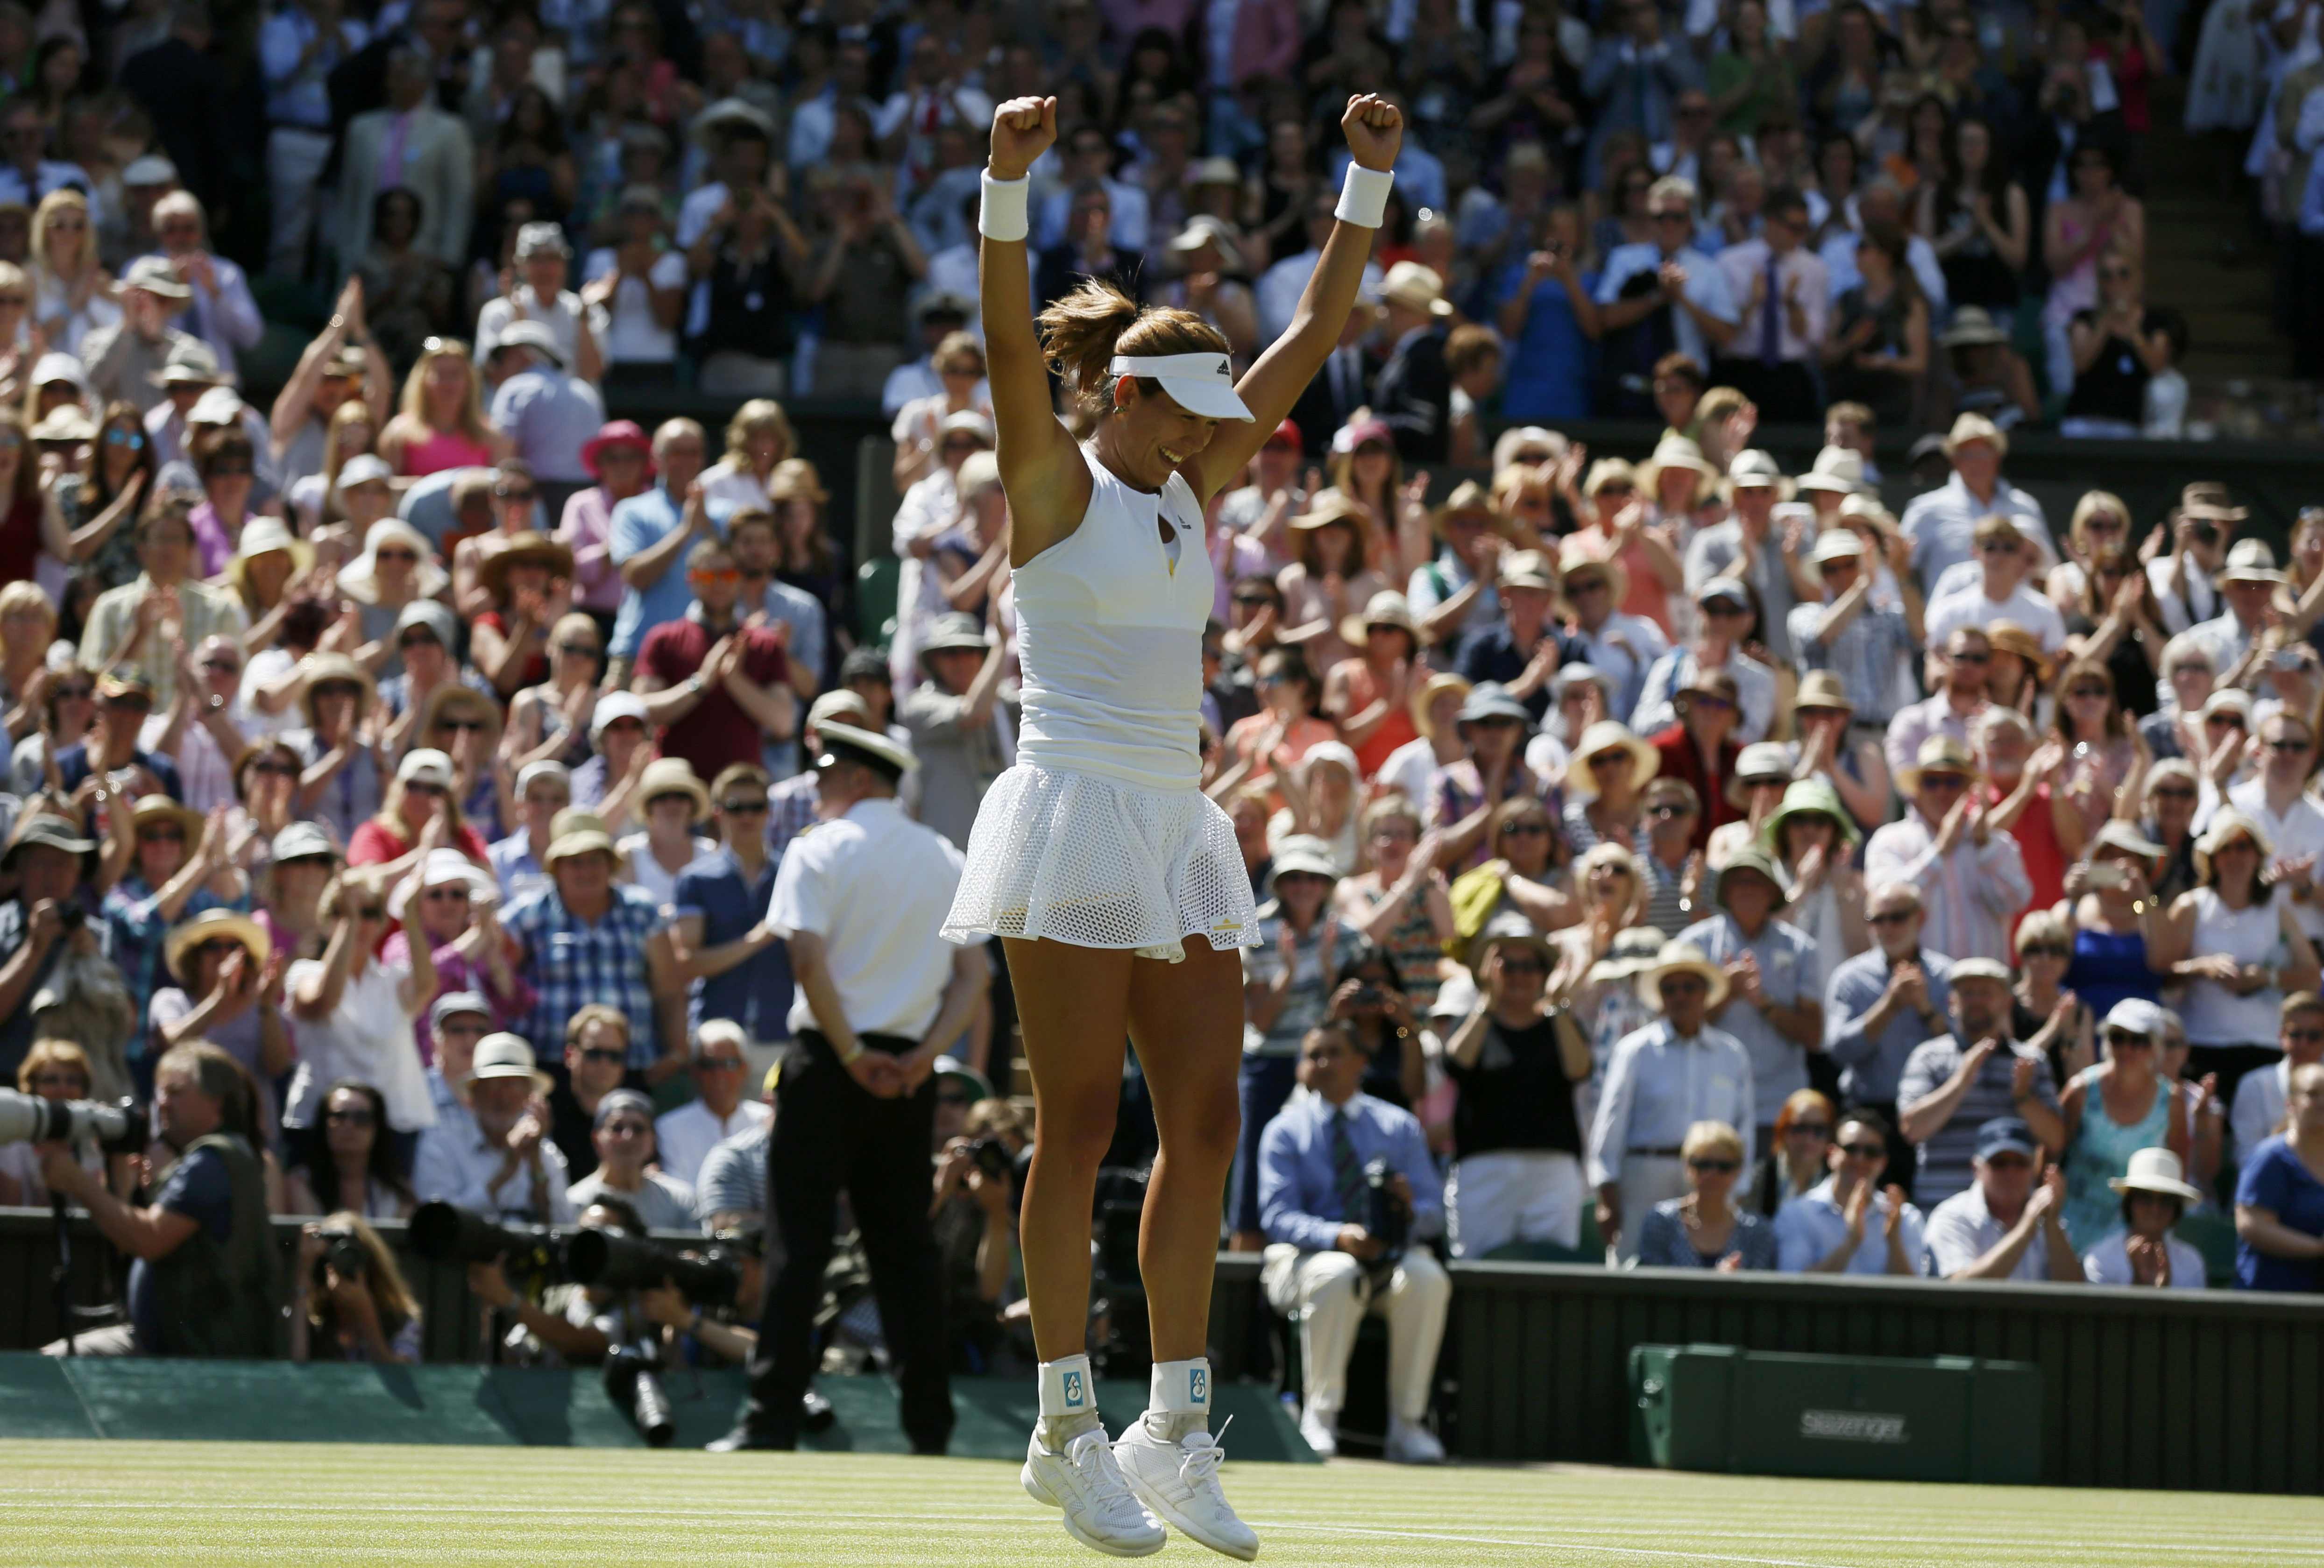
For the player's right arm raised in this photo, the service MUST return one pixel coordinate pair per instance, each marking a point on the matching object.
(1045, 480)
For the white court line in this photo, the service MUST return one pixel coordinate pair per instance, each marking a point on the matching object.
(1538, 1546)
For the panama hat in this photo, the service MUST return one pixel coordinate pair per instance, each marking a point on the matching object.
(1576, 558)
(2249, 560)
(1423, 698)
(1837, 469)
(328, 669)
(1865, 508)
(360, 579)
(1755, 470)
(1508, 925)
(955, 631)
(1939, 754)
(503, 1055)
(1678, 452)
(1415, 286)
(1386, 608)
(1991, 968)
(1488, 700)
(1972, 327)
(190, 363)
(1970, 428)
(2009, 637)
(2155, 1170)
(1468, 498)
(157, 277)
(673, 775)
(831, 703)
(1527, 569)
(152, 809)
(2123, 835)
(1808, 798)
(208, 926)
(301, 840)
(1680, 958)
(1821, 688)
(1837, 544)
(1634, 949)
(576, 831)
(264, 535)
(1607, 735)
(2227, 826)
(1304, 854)
(444, 868)
(528, 548)
(1608, 471)
(67, 423)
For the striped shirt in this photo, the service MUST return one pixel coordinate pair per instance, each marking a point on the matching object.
(203, 611)
(135, 932)
(1864, 654)
(572, 963)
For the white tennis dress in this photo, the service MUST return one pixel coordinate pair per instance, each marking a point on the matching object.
(1101, 835)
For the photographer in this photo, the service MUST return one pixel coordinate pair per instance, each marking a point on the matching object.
(54, 1070)
(974, 1213)
(351, 1296)
(1336, 1169)
(729, 1341)
(572, 1322)
(202, 1282)
(45, 921)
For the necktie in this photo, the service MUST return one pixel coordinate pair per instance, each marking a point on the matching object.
(1347, 1171)
(1771, 318)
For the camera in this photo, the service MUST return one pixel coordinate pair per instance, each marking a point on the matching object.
(343, 1253)
(1385, 1216)
(633, 1383)
(71, 918)
(445, 1232)
(607, 1260)
(118, 1127)
(2206, 531)
(992, 1157)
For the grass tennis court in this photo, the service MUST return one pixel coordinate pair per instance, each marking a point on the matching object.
(222, 1504)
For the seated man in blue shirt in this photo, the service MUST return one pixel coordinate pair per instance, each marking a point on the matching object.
(1322, 1260)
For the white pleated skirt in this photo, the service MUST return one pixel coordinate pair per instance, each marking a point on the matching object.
(1093, 863)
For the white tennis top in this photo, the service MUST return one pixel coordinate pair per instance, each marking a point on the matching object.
(1109, 638)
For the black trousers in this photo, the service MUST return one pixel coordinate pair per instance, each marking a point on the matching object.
(831, 1134)
(1786, 392)
(2230, 1063)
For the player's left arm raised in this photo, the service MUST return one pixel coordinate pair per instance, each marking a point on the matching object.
(1375, 132)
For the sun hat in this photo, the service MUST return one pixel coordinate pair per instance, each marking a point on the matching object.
(1991, 968)
(1337, 754)
(1837, 544)
(302, 841)
(208, 926)
(190, 363)
(1970, 428)
(1755, 470)
(838, 700)
(1837, 470)
(1730, 589)
(2009, 637)
(1695, 679)
(1673, 451)
(1575, 559)
(673, 775)
(264, 535)
(158, 276)
(2155, 1170)
(1424, 695)
(156, 808)
(847, 743)
(2117, 834)
(1607, 470)
(2136, 1015)
(2227, 824)
(1202, 229)
(955, 630)
(616, 433)
(1508, 925)
(1680, 958)
(66, 422)
(221, 405)
(1303, 853)
(1468, 499)
(1386, 608)
(432, 616)
(2233, 699)
(363, 468)
(1579, 673)
(611, 709)
(526, 333)
(444, 868)
(1415, 286)
(1972, 327)
(1527, 569)
(1759, 760)
(1634, 949)
(1607, 735)
(2249, 560)
(1490, 699)
(541, 239)
(503, 1055)
(1939, 754)
(1821, 688)
(1865, 508)
(1808, 798)
(529, 548)
(360, 578)
(328, 669)
(574, 831)
(546, 768)
(1747, 859)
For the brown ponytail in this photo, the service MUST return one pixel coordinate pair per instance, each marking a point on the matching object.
(1083, 330)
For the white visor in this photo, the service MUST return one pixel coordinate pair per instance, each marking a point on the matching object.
(1200, 383)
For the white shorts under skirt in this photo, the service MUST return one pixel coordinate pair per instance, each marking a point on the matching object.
(1087, 860)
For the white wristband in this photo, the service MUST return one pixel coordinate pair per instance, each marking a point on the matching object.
(1002, 215)
(1363, 197)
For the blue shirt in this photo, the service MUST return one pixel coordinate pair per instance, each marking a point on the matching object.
(639, 523)
(1871, 1066)
(1706, 286)
(133, 934)
(514, 866)
(1549, 363)
(570, 963)
(550, 415)
(2275, 1177)
(1789, 974)
(1663, 1241)
(756, 992)
(73, 769)
(1810, 1225)
(1298, 1196)
(200, 1188)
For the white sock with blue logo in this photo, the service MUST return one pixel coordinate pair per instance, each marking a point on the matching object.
(1180, 1401)
(1068, 1400)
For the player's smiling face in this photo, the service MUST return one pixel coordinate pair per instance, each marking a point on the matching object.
(1154, 435)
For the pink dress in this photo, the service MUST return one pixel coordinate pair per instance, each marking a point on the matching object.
(445, 449)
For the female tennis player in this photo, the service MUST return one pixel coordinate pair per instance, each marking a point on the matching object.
(1115, 885)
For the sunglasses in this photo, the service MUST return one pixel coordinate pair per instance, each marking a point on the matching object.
(222, 665)
(286, 770)
(1809, 1129)
(723, 574)
(1525, 829)
(2288, 747)
(1685, 985)
(2233, 720)
(2044, 950)
(395, 555)
(718, 1064)
(371, 912)
(742, 808)
(445, 895)
(606, 1056)
(1865, 1151)
(1705, 700)
(132, 439)
(1524, 966)
(1714, 1166)
(1667, 810)
(1970, 656)
(419, 786)
(1586, 585)
(2172, 792)
(2097, 693)
(2120, 1039)
(1892, 916)
(2304, 1037)
(627, 1128)
(75, 693)
(350, 1117)
(161, 835)
(579, 649)
(1943, 781)
(477, 725)
(506, 492)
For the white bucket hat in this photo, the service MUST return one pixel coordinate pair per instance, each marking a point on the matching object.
(2155, 1170)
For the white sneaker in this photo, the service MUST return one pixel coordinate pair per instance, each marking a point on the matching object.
(1316, 1426)
(1086, 1482)
(1179, 1482)
(1409, 1442)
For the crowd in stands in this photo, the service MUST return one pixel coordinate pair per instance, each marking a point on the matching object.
(1700, 859)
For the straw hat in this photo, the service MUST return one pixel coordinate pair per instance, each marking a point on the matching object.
(444, 868)
(1680, 958)
(208, 926)
(1821, 688)
(1386, 608)
(1608, 471)
(673, 775)
(503, 1055)
(360, 578)
(2227, 826)
(1976, 428)
(1678, 452)
(1416, 287)
(2119, 834)
(1865, 507)
(2008, 637)
(1939, 754)
(1755, 470)
(151, 809)
(2155, 1170)
(1468, 497)
(573, 830)
(1971, 328)
(450, 695)
(261, 536)
(1576, 558)
(66, 422)
(1526, 569)
(1808, 798)
(1837, 469)
(528, 549)
(2249, 560)
(1423, 698)
(1759, 760)
(1634, 949)
(324, 669)
(1605, 736)
(1506, 926)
